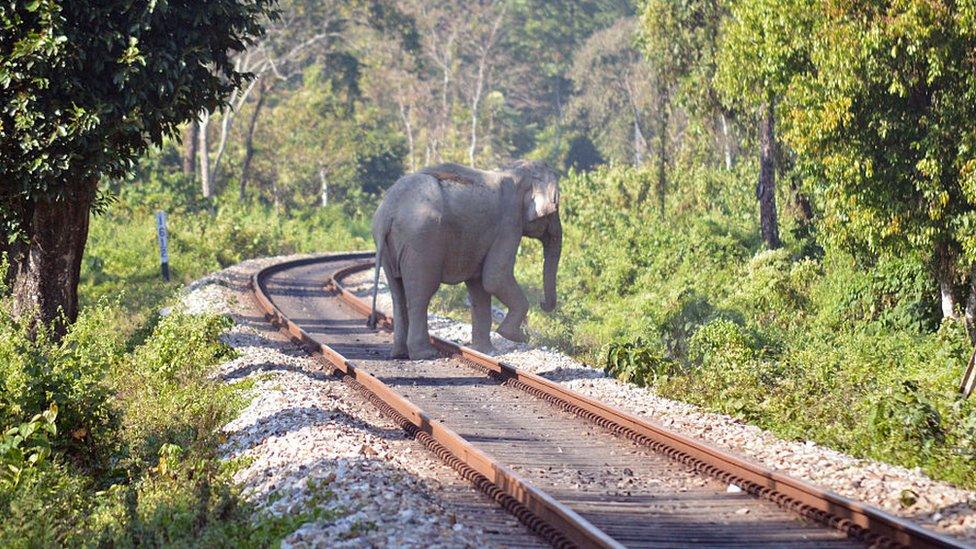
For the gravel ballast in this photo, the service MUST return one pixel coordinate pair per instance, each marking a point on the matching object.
(938, 505)
(311, 445)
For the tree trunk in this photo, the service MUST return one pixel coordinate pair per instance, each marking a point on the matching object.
(945, 275)
(799, 203)
(726, 140)
(475, 105)
(325, 187)
(638, 143)
(971, 305)
(204, 152)
(408, 128)
(662, 155)
(766, 190)
(45, 289)
(12, 245)
(249, 142)
(190, 148)
(804, 211)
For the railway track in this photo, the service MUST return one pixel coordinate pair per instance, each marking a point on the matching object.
(577, 472)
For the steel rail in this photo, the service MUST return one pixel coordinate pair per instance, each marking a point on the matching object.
(549, 518)
(858, 520)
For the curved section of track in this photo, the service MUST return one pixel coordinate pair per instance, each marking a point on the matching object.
(609, 481)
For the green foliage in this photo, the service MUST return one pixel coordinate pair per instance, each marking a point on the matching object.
(36, 374)
(847, 354)
(321, 135)
(77, 76)
(680, 39)
(763, 46)
(168, 396)
(638, 362)
(123, 257)
(26, 447)
(880, 121)
(151, 413)
(614, 100)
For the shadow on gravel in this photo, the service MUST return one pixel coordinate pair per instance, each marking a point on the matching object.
(241, 373)
(290, 420)
(571, 374)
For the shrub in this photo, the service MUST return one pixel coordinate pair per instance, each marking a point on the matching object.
(803, 340)
(166, 392)
(638, 362)
(35, 374)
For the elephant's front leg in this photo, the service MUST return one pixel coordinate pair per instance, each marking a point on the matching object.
(480, 316)
(498, 278)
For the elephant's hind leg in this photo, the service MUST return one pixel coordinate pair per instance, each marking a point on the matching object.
(401, 324)
(480, 316)
(419, 285)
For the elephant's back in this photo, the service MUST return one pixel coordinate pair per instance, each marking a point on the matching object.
(413, 208)
(413, 197)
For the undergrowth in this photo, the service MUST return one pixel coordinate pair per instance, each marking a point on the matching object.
(810, 343)
(109, 436)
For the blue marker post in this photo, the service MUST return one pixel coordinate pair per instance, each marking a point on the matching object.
(163, 236)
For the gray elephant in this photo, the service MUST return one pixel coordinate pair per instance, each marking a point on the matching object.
(452, 224)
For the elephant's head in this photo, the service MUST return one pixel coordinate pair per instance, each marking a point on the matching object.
(538, 186)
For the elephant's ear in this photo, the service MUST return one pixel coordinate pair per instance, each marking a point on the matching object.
(542, 199)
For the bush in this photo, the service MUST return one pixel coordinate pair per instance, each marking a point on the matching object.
(71, 374)
(125, 451)
(167, 394)
(815, 346)
(639, 362)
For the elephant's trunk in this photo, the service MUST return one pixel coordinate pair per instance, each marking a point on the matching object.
(552, 245)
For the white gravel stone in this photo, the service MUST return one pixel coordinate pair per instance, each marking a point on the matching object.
(940, 505)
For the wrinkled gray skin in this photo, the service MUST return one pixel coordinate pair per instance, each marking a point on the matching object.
(452, 224)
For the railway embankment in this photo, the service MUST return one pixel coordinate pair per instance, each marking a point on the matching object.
(901, 491)
(313, 447)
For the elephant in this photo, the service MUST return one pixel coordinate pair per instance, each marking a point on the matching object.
(451, 224)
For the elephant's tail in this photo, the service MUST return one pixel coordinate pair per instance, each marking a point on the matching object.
(373, 317)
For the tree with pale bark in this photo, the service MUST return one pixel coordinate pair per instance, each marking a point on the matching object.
(615, 100)
(884, 121)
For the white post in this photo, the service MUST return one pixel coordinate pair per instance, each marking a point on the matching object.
(163, 237)
(325, 187)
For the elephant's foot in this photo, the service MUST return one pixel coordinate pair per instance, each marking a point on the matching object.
(424, 352)
(484, 347)
(517, 335)
(399, 351)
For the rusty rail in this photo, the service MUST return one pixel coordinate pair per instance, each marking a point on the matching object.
(549, 518)
(553, 521)
(858, 520)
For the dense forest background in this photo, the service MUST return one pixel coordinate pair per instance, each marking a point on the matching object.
(768, 206)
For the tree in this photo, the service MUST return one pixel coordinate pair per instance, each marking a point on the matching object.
(307, 33)
(615, 99)
(303, 32)
(325, 141)
(484, 30)
(885, 119)
(764, 46)
(85, 89)
(681, 39)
